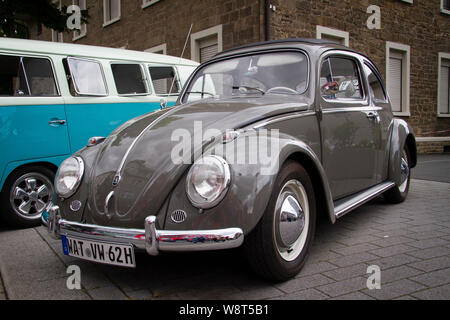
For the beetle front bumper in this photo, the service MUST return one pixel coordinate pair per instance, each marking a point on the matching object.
(150, 239)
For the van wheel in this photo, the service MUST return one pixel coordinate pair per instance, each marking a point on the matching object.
(26, 195)
(399, 193)
(278, 246)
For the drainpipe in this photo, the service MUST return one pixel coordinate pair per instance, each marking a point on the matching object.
(267, 20)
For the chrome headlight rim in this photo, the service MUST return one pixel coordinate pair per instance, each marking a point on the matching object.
(77, 183)
(209, 203)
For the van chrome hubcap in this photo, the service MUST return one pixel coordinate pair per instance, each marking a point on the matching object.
(30, 195)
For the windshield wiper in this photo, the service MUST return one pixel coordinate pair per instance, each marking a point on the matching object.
(247, 88)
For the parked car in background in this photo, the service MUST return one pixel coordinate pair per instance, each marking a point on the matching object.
(55, 96)
(264, 139)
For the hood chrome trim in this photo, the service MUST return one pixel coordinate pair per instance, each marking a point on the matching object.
(127, 153)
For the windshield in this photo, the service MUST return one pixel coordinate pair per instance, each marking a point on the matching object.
(277, 73)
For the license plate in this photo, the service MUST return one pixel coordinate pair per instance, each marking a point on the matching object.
(108, 253)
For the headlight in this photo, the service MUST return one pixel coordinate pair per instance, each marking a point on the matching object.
(207, 181)
(69, 176)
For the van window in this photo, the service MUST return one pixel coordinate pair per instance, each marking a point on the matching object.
(24, 76)
(164, 79)
(39, 75)
(128, 78)
(87, 77)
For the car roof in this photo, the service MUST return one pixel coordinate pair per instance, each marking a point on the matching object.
(78, 50)
(301, 43)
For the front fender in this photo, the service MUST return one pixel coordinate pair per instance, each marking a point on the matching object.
(251, 183)
(402, 134)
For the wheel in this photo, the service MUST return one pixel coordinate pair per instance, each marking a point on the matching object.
(399, 193)
(278, 246)
(26, 194)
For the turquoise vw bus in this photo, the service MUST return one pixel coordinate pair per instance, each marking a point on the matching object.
(55, 96)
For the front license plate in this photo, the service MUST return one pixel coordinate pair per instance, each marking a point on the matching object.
(109, 253)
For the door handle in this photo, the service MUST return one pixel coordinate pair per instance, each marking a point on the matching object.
(373, 115)
(57, 122)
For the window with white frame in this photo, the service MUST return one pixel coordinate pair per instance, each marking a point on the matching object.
(111, 11)
(57, 36)
(445, 6)
(335, 35)
(165, 80)
(161, 49)
(146, 3)
(444, 85)
(77, 34)
(398, 77)
(206, 43)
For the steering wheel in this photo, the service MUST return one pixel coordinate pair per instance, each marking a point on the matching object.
(281, 88)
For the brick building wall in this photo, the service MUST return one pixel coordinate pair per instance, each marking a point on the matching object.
(420, 25)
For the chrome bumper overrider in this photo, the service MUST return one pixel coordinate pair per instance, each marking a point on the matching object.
(150, 239)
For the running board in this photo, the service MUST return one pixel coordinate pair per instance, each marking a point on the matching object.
(345, 205)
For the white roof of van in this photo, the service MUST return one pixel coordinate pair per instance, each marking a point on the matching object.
(78, 50)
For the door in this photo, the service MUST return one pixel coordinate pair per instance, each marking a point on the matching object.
(32, 116)
(379, 101)
(350, 126)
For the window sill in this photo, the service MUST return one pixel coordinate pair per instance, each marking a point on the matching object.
(107, 23)
(401, 114)
(443, 115)
(432, 139)
(445, 11)
(79, 37)
(148, 4)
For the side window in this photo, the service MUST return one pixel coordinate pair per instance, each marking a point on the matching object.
(24, 76)
(128, 78)
(39, 75)
(342, 79)
(87, 77)
(12, 77)
(164, 79)
(375, 86)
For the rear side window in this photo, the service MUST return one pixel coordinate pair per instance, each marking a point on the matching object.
(87, 77)
(25, 76)
(375, 86)
(165, 80)
(340, 80)
(128, 78)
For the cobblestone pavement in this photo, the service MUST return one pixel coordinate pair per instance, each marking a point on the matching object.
(410, 242)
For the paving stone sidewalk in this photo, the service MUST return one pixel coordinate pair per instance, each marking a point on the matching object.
(409, 242)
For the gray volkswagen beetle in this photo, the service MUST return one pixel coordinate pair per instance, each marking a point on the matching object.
(263, 139)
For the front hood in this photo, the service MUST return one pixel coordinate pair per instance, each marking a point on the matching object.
(140, 153)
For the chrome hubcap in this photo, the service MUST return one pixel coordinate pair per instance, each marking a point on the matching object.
(404, 172)
(30, 195)
(291, 220)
